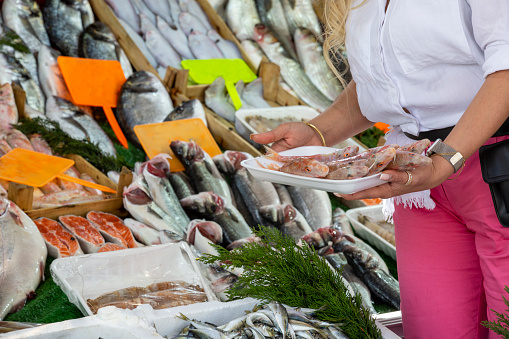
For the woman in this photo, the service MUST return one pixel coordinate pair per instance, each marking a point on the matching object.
(431, 69)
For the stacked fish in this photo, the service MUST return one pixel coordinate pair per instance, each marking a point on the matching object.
(346, 164)
(27, 58)
(288, 33)
(23, 254)
(75, 235)
(55, 193)
(274, 320)
(167, 32)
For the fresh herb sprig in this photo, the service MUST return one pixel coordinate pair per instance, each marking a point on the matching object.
(278, 269)
(501, 325)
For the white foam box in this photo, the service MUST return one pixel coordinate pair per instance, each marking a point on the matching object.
(365, 233)
(89, 276)
(305, 113)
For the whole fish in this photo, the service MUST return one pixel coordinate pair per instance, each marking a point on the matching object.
(416, 147)
(253, 51)
(156, 175)
(139, 42)
(52, 80)
(189, 23)
(25, 18)
(341, 222)
(12, 44)
(287, 219)
(366, 267)
(57, 109)
(143, 99)
(375, 162)
(240, 204)
(112, 228)
(201, 168)
(339, 154)
(348, 173)
(253, 94)
(229, 162)
(195, 9)
(140, 8)
(408, 161)
(241, 17)
(64, 22)
(23, 253)
(8, 109)
(284, 194)
(175, 36)
(212, 206)
(301, 14)
(272, 15)
(145, 210)
(125, 11)
(90, 190)
(188, 110)
(203, 47)
(181, 184)
(314, 205)
(227, 47)
(291, 71)
(216, 98)
(143, 233)
(310, 53)
(256, 194)
(305, 167)
(221, 280)
(16, 139)
(4, 148)
(210, 229)
(98, 42)
(162, 51)
(219, 7)
(59, 242)
(160, 8)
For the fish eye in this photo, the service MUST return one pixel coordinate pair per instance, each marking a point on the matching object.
(380, 164)
(308, 170)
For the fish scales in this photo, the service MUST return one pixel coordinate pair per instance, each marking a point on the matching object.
(24, 256)
(314, 205)
(241, 17)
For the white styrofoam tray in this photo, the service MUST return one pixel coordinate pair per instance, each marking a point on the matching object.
(299, 112)
(364, 232)
(336, 186)
(89, 276)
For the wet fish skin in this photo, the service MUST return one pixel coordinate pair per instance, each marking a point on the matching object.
(142, 100)
(416, 147)
(195, 9)
(203, 47)
(216, 98)
(181, 184)
(139, 42)
(284, 195)
(189, 23)
(301, 14)
(241, 17)
(314, 205)
(209, 229)
(8, 109)
(140, 8)
(348, 173)
(161, 8)
(24, 256)
(408, 161)
(162, 51)
(59, 242)
(306, 167)
(16, 139)
(175, 36)
(287, 219)
(52, 80)
(227, 47)
(188, 110)
(229, 162)
(143, 233)
(253, 94)
(125, 10)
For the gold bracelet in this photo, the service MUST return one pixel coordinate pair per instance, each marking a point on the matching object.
(317, 131)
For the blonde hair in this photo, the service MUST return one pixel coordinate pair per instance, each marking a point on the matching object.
(335, 13)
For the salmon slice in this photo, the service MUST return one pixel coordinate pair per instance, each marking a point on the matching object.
(108, 247)
(60, 243)
(88, 236)
(112, 228)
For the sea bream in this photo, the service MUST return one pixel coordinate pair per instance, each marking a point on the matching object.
(23, 254)
(89, 237)
(143, 99)
(300, 13)
(112, 228)
(59, 242)
(188, 110)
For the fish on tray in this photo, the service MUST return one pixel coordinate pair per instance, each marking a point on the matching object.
(89, 237)
(59, 242)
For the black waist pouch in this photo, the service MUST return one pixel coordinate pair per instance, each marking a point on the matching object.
(495, 172)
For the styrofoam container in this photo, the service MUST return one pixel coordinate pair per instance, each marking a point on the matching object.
(305, 113)
(336, 186)
(364, 232)
(89, 276)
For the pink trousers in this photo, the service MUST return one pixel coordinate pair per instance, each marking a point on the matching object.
(453, 261)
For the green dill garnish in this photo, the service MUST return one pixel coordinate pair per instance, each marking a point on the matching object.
(501, 325)
(62, 144)
(10, 38)
(278, 269)
(370, 136)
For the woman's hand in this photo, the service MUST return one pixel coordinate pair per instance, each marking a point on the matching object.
(422, 178)
(289, 135)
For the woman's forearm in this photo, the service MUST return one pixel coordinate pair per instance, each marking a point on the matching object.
(485, 114)
(343, 119)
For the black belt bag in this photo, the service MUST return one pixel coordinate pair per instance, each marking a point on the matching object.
(495, 172)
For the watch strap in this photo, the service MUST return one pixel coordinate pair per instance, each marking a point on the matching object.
(454, 157)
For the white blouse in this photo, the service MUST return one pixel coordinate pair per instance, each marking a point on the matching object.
(430, 57)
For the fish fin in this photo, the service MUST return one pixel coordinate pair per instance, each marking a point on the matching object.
(270, 153)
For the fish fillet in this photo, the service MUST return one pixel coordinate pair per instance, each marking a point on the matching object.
(88, 236)
(112, 228)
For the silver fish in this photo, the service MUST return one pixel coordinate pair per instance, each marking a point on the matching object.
(23, 254)
(284, 195)
(253, 94)
(241, 17)
(310, 53)
(125, 10)
(229, 162)
(189, 23)
(155, 173)
(25, 18)
(139, 42)
(143, 233)
(272, 15)
(175, 36)
(162, 51)
(216, 98)
(287, 219)
(314, 205)
(64, 22)
(202, 47)
(291, 71)
(161, 8)
(195, 9)
(143, 99)
(191, 109)
(140, 8)
(253, 51)
(227, 47)
(52, 80)
(181, 184)
(301, 14)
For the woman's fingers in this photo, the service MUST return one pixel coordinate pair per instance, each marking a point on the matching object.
(270, 136)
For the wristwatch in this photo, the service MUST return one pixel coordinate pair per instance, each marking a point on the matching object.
(454, 157)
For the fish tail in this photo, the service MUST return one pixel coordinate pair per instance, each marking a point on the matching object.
(271, 153)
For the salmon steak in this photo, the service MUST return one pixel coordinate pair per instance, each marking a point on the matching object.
(112, 228)
(88, 236)
(60, 243)
(108, 247)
